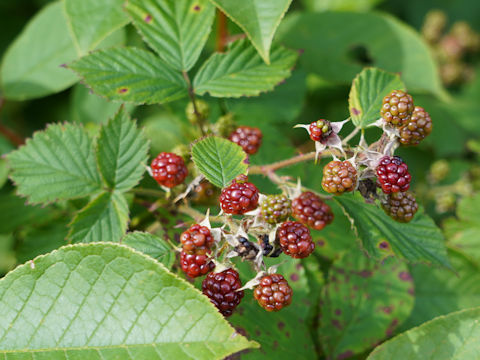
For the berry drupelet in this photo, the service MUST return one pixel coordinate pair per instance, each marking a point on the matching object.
(222, 290)
(310, 210)
(169, 169)
(295, 239)
(240, 197)
(393, 175)
(249, 138)
(273, 293)
(339, 177)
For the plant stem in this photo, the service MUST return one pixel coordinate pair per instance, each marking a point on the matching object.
(197, 215)
(351, 135)
(149, 192)
(265, 169)
(222, 31)
(191, 95)
(9, 134)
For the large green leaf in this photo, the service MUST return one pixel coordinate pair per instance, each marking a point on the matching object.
(380, 40)
(56, 164)
(151, 245)
(340, 5)
(441, 291)
(105, 218)
(176, 29)
(219, 160)
(362, 303)
(417, 241)
(241, 71)
(32, 65)
(258, 18)
(452, 337)
(367, 93)
(130, 75)
(122, 152)
(91, 21)
(463, 232)
(106, 301)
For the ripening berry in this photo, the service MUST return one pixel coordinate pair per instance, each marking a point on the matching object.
(295, 239)
(169, 169)
(240, 197)
(400, 206)
(276, 208)
(339, 177)
(195, 265)
(249, 138)
(196, 238)
(310, 210)
(222, 290)
(417, 128)
(393, 175)
(273, 293)
(320, 130)
(397, 108)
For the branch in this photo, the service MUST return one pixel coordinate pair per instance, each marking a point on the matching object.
(191, 95)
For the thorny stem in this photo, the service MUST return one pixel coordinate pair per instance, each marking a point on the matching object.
(222, 31)
(191, 95)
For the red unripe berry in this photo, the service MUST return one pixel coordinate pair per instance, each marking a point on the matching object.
(169, 169)
(249, 138)
(197, 237)
(240, 197)
(310, 210)
(393, 175)
(222, 290)
(196, 264)
(273, 293)
(295, 239)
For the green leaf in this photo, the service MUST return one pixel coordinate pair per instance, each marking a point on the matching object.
(130, 75)
(363, 303)
(176, 29)
(91, 21)
(340, 5)
(32, 65)
(219, 160)
(452, 337)
(107, 301)
(56, 164)
(259, 20)
(241, 72)
(14, 213)
(463, 232)
(367, 93)
(4, 170)
(88, 108)
(103, 219)
(151, 245)
(417, 241)
(441, 291)
(122, 152)
(378, 39)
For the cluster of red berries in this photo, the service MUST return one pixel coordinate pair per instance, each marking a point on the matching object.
(249, 138)
(169, 169)
(320, 130)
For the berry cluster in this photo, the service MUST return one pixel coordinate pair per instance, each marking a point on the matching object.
(339, 177)
(320, 130)
(273, 293)
(393, 175)
(400, 206)
(276, 208)
(295, 239)
(223, 290)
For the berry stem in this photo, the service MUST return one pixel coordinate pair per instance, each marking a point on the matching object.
(191, 95)
(350, 136)
(197, 215)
